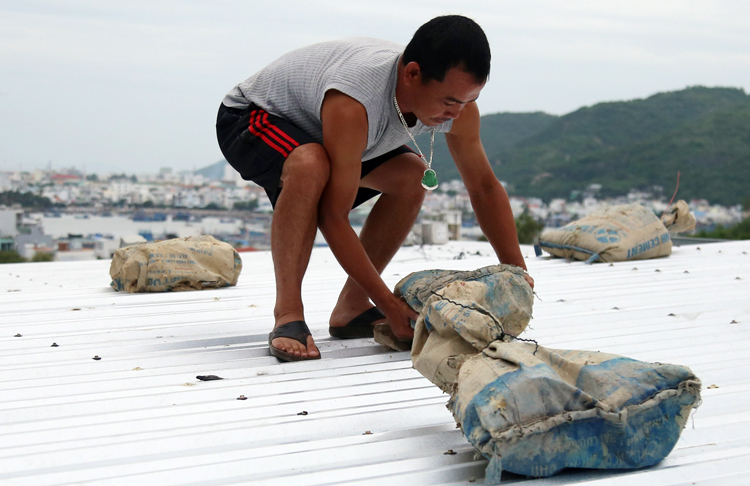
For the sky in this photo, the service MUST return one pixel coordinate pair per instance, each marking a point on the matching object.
(134, 85)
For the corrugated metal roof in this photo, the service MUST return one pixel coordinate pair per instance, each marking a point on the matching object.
(139, 415)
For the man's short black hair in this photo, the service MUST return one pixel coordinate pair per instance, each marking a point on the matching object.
(447, 42)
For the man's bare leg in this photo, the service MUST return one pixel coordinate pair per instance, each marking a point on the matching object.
(386, 227)
(293, 230)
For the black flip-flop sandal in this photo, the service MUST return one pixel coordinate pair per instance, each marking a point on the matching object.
(294, 330)
(359, 327)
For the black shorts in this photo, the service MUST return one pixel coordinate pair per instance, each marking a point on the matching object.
(257, 143)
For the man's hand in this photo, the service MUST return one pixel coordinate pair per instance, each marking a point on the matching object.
(398, 314)
(529, 280)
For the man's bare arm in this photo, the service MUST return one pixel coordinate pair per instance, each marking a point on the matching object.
(345, 139)
(488, 197)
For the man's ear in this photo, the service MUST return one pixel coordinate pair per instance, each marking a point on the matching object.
(412, 74)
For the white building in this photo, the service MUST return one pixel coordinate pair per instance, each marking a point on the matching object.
(10, 220)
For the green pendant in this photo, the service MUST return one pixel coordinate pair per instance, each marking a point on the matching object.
(429, 180)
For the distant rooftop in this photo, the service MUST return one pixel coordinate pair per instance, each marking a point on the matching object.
(361, 415)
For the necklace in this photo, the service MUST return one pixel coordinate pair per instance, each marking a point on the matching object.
(429, 180)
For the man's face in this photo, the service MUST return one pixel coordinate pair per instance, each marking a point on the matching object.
(436, 102)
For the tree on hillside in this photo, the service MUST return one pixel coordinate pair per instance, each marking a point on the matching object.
(43, 257)
(528, 228)
(214, 206)
(11, 256)
(250, 205)
(740, 231)
(25, 199)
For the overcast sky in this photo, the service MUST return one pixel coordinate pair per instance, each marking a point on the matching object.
(132, 86)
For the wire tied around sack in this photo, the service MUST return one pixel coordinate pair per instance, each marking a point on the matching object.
(503, 334)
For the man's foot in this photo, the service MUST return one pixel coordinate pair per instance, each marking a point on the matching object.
(359, 327)
(358, 316)
(292, 342)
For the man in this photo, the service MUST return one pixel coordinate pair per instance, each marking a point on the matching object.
(324, 128)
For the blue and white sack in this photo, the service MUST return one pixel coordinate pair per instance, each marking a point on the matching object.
(532, 410)
(615, 234)
(460, 314)
(535, 411)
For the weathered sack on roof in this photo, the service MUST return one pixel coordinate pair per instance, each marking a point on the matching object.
(193, 263)
(461, 312)
(532, 410)
(618, 233)
(678, 219)
(535, 411)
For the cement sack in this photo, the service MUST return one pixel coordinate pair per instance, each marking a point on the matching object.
(535, 411)
(462, 312)
(193, 263)
(678, 219)
(615, 234)
(532, 410)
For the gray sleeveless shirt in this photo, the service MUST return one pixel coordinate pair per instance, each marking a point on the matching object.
(294, 86)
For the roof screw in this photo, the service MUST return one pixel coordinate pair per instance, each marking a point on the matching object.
(615, 308)
(697, 247)
(54, 345)
(635, 268)
(670, 315)
(611, 264)
(449, 452)
(18, 335)
(685, 271)
(738, 278)
(367, 432)
(657, 270)
(242, 397)
(96, 358)
(713, 387)
(303, 412)
(734, 321)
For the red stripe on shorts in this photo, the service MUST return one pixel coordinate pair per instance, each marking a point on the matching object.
(259, 131)
(278, 130)
(269, 129)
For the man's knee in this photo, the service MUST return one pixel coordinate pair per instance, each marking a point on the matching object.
(308, 163)
(403, 176)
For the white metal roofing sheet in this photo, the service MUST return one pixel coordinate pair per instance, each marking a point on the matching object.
(139, 415)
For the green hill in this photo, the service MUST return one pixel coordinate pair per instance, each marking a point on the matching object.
(500, 133)
(712, 154)
(704, 133)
